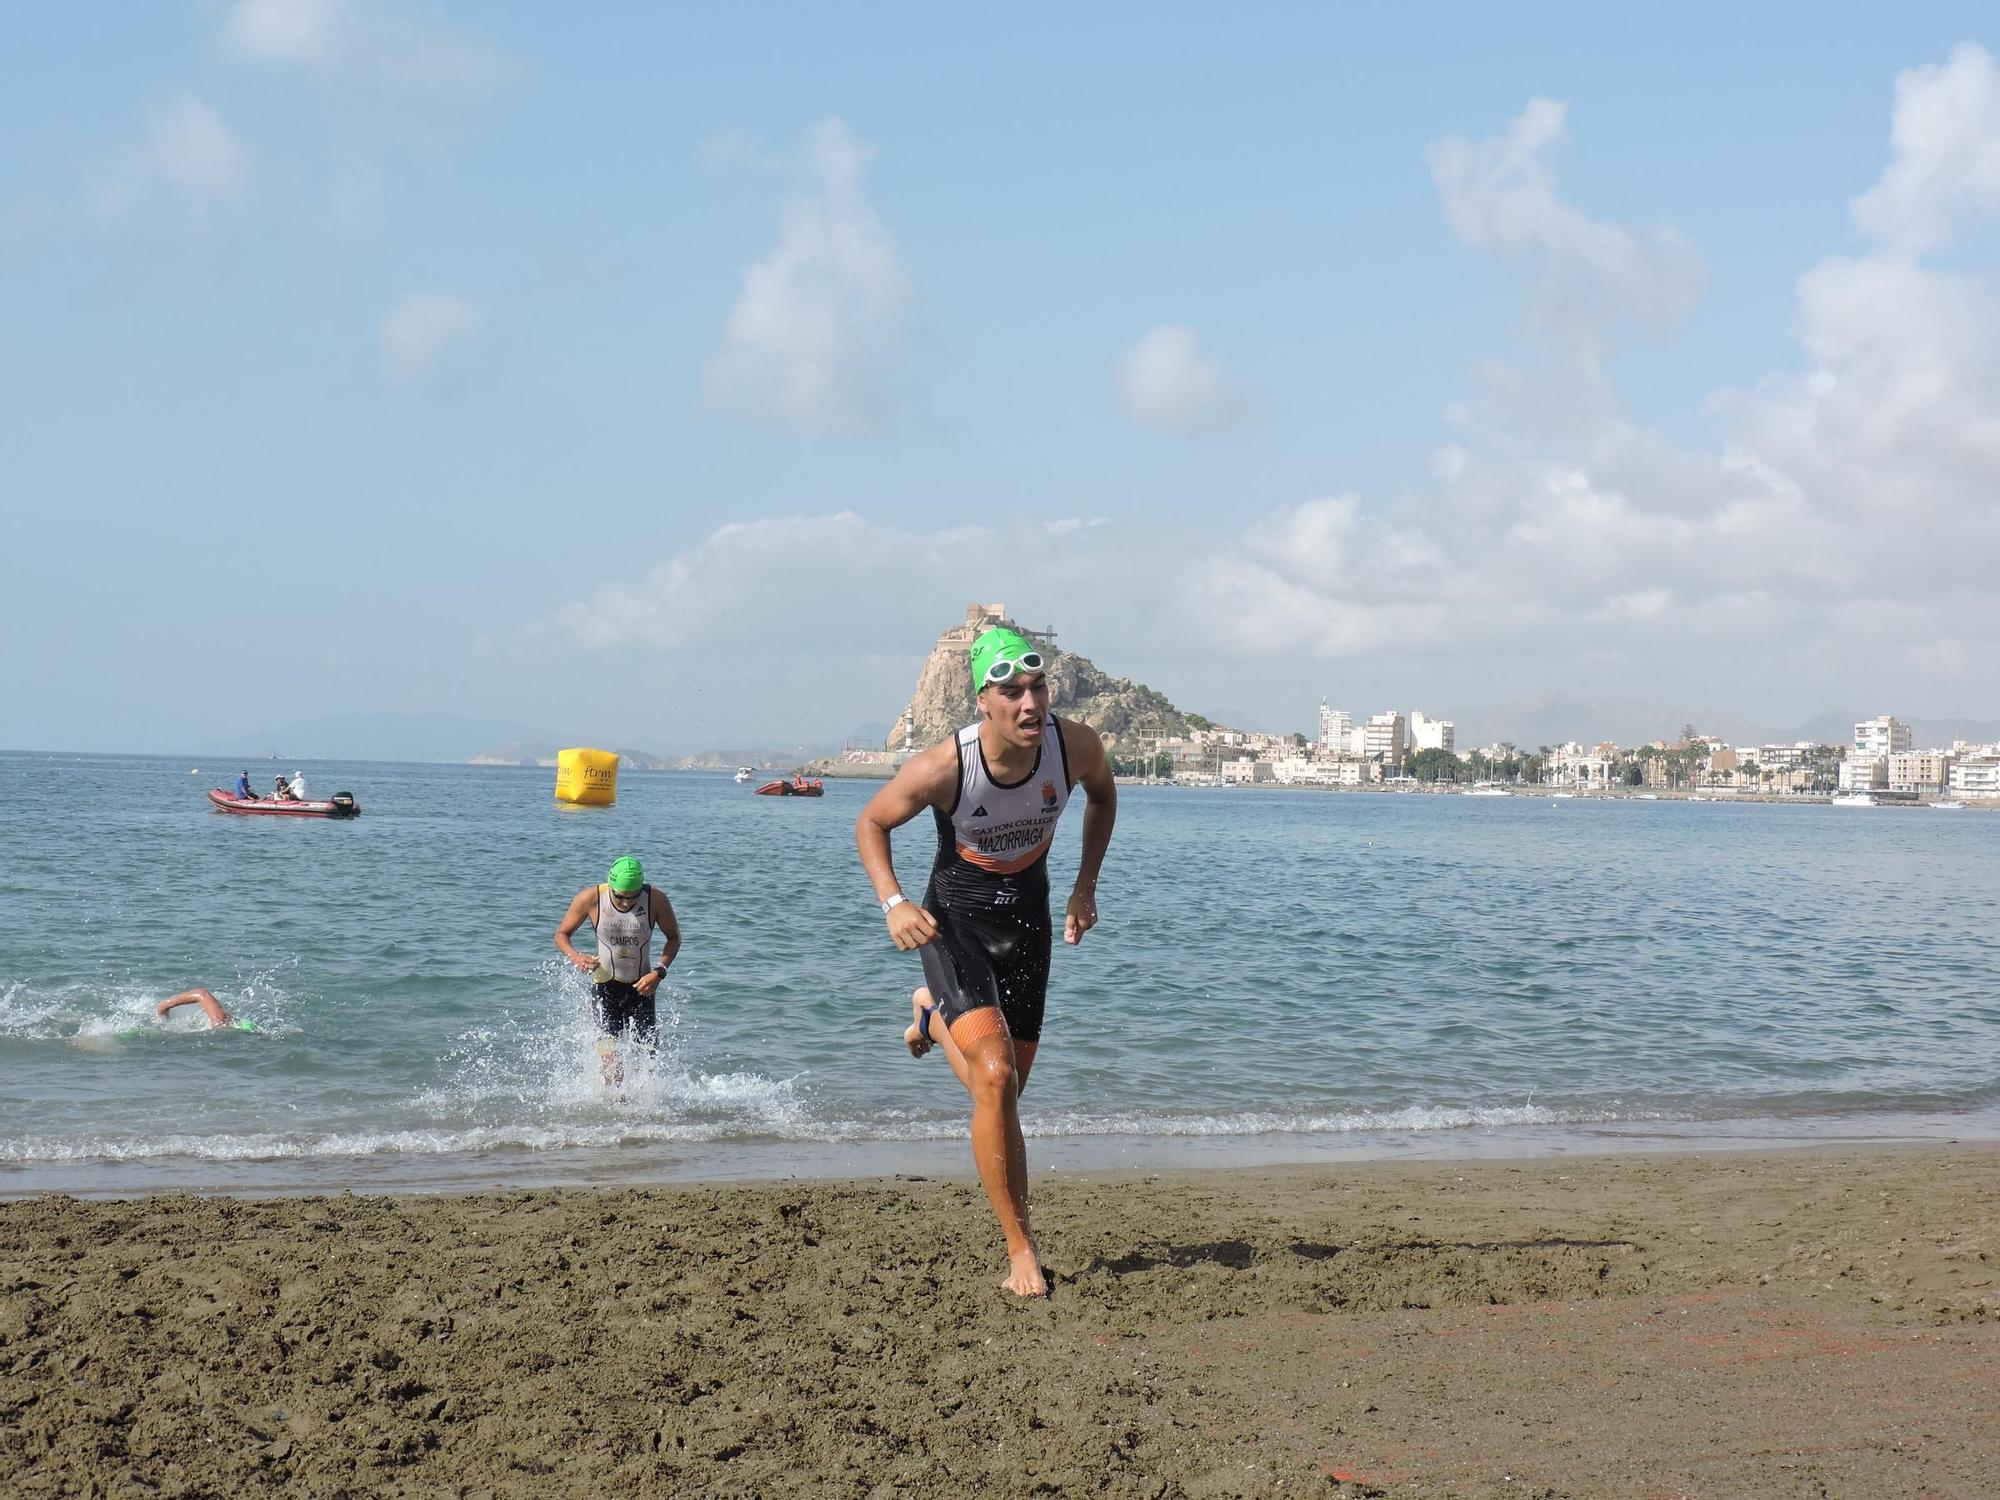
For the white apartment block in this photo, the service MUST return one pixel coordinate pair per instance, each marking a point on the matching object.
(1247, 772)
(1780, 757)
(1427, 733)
(1919, 771)
(1299, 770)
(1976, 776)
(1383, 735)
(1877, 738)
(1864, 775)
(1335, 725)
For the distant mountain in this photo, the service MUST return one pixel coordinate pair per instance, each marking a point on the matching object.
(423, 737)
(544, 754)
(1925, 734)
(1555, 718)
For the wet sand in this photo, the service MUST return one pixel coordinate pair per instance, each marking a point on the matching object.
(1814, 1322)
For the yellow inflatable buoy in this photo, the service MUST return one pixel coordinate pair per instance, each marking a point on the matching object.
(587, 778)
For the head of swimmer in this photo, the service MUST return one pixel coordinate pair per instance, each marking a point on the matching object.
(1011, 681)
(627, 881)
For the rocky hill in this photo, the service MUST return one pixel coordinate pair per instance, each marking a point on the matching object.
(1078, 689)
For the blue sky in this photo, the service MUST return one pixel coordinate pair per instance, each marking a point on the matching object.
(670, 379)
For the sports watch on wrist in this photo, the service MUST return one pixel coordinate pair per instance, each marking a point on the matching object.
(893, 902)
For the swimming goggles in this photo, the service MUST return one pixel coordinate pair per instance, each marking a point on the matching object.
(1001, 670)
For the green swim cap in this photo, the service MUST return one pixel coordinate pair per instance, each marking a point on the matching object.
(244, 1025)
(626, 876)
(1002, 645)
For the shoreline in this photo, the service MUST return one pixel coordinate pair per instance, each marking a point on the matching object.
(1751, 1324)
(691, 1164)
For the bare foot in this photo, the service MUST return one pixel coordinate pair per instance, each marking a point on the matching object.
(1024, 1275)
(915, 1038)
(612, 1064)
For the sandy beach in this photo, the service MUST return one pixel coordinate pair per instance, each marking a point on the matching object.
(1814, 1322)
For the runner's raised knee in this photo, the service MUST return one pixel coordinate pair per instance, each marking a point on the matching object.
(990, 1073)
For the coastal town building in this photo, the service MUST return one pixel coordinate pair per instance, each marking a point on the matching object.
(1864, 775)
(1336, 727)
(1784, 757)
(1921, 771)
(1427, 733)
(1976, 776)
(1879, 737)
(1314, 770)
(1383, 738)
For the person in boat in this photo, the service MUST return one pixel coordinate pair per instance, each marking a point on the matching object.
(218, 1018)
(243, 792)
(280, 791)
(622, 913)
(983, 931)
(297, 786)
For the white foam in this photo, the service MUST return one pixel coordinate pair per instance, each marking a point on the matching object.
(88, 1011)
(747, 1107)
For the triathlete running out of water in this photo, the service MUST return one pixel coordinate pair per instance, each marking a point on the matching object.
(623, 912)
(996, 789)
(210, 1007)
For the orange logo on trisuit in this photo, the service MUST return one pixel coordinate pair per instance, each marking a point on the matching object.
(1048, 794)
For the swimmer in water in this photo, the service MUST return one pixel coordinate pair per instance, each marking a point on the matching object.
(623, 913)
(218, 1018)
(983, 930)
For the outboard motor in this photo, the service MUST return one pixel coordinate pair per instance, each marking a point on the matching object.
(343, 805)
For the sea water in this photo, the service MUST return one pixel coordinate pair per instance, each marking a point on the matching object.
(1276, 975)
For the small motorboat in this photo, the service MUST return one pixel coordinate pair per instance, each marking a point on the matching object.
(339, 805)
(793, 786)
(744, 773)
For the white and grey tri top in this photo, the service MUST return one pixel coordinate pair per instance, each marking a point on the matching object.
(997, 829)
(624, 938)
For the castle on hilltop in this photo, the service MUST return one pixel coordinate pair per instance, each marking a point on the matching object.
(983, 617)
(943, 699)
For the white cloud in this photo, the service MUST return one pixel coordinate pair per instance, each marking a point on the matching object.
(773, 583)
(302, 33)
(417, 332)
(1845, 516)
(1499, 195)
(366, 43)
(821, 333)
(1837, 541)
(1255, 611)
(1448, 462)
(1945, 138)
(777, 580)
(187, 150)
(1310, 543)
(1169, 384)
